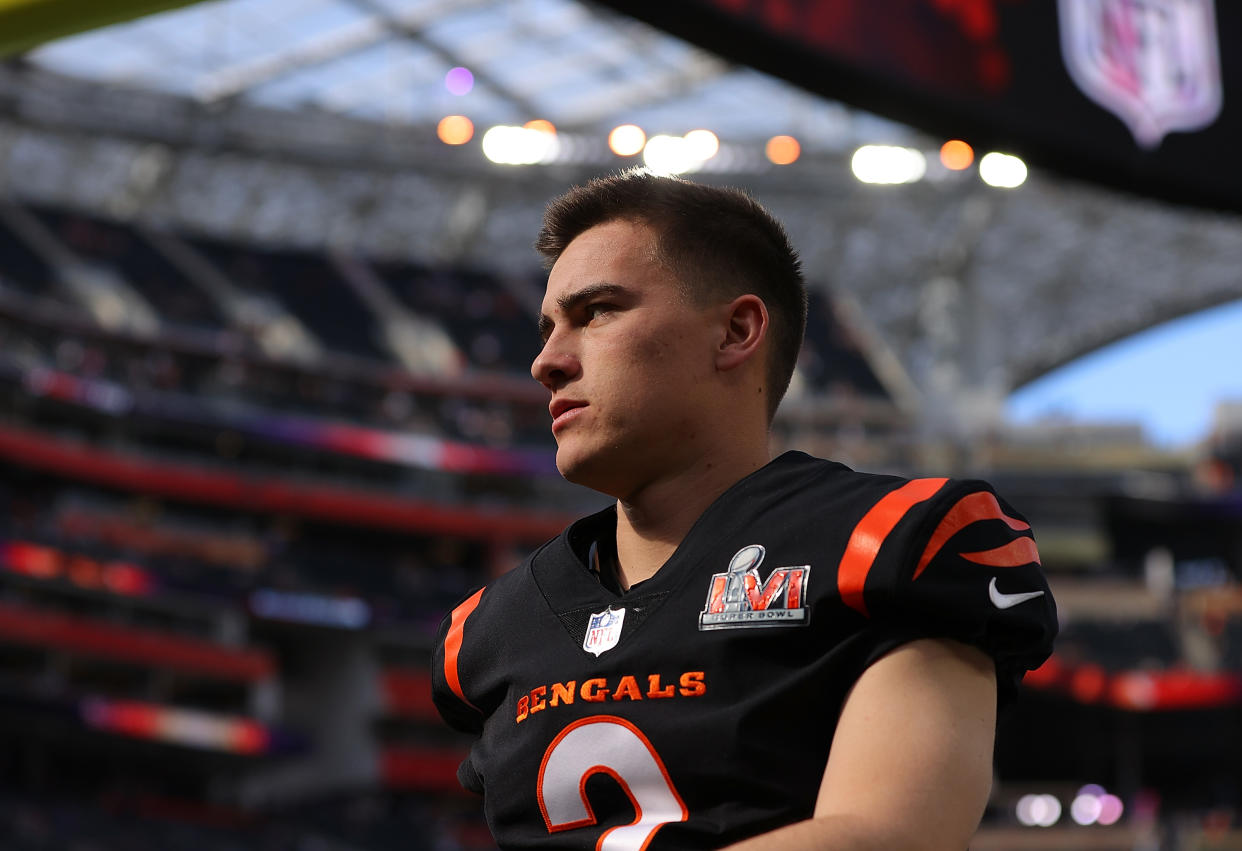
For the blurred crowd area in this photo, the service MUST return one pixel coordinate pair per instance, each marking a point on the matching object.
(201, 316)
(242, 487)
(123, 821)
(197, 284)
(185, 356)
(139, 547)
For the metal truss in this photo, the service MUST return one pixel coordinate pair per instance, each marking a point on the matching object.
(976, 290)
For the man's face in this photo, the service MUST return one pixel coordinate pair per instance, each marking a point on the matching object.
(627, 358)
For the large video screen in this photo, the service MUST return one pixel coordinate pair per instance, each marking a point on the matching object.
(1139, 94)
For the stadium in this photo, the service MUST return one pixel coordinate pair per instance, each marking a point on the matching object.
(268, 305)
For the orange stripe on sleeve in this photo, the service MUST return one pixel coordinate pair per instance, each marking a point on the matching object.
(1017, 552)
(452, 645)
(971, 508)
(870, 533)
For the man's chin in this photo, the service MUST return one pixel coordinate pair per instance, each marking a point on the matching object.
(587, 469)
(573, 467)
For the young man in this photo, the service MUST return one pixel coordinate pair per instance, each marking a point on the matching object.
(774, 653)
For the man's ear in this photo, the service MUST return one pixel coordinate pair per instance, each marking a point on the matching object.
(745, 329)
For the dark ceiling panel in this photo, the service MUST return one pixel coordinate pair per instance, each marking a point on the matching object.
(1137, 94)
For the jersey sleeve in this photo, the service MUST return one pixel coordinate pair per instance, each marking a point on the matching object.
(967, 568)
(448, 689)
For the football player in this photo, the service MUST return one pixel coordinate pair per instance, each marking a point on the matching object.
(742, 651)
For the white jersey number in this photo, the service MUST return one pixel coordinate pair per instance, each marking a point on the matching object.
(613, 746)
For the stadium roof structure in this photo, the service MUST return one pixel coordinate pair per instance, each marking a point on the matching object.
(386, 60)
(314, 123)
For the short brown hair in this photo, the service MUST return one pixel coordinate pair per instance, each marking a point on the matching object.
(720, 242)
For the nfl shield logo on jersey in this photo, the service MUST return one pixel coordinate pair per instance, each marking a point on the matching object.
(1153, 63)
(737, 597)
(603, 631)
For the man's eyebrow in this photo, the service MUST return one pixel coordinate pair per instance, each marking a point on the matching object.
(568, 301)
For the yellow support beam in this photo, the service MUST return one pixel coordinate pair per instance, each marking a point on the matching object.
(28, 23)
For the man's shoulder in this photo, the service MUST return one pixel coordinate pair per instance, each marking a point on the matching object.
(841, 507)
(801, 472)
(819, 481)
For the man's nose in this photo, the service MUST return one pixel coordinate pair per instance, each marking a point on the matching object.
(555, 365)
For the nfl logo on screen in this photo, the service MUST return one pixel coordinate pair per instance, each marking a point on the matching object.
(603, 631)
(1153, 63)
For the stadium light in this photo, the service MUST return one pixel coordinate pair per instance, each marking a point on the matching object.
(627, 140)
(459, 81)
(888, 164)
(782, 150)
(542, 125)
(1002, 171)
(507, 145)
(1094, 805)
(1111, 809)
(1085, 809)
(455, 130)
(1038, 810)
(956, 155)
(702, 144)
(680, 154)
(670, 155)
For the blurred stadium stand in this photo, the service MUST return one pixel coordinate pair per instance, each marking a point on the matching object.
(264, 417)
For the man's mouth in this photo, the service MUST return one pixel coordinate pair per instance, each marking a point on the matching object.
(563, 410)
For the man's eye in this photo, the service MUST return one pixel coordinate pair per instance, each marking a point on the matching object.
(595, 310)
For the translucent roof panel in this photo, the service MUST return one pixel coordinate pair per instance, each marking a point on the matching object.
(580, 66)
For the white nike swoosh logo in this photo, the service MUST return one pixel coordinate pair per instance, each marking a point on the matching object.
(1008, 601)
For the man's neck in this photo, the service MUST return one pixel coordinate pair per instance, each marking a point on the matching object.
(652, 523)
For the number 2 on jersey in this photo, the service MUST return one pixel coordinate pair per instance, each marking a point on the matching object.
(609, 745)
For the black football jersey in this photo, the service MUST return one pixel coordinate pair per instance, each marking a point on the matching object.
(698, 708)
